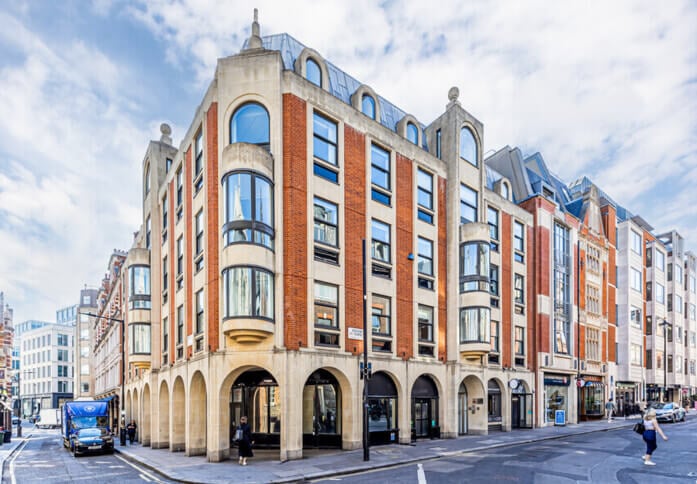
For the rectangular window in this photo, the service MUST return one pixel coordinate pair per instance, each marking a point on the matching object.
(324, 140)
(492, 218)
(670, 302)
(198, 162)
(381, 323)
(519, 241)
(199, 232)
(519, 341)
(678, 304)
(636, 242)
(669, 361)
(168, 164)
(199, 312)
(592, 344)
(380, 247)
(180, 256)
(562, 293)
(425, 331)
(165, 278)
(678, 273)
(649, 325)
(62, 340)
(635, 316)
(380, 175)
(180, 187)
(425, 262)
(425, 195)
(660, 293)
(660, 261)
(147, 232)
(649, 360)
(475, 325)
(635, 279)
(180, 325)
(494, 341)
(326, 222)
(326, 306)
(438, 143)
(494, 280)
(519, 288)
(468, 204)
(165, 334)
(165, 207)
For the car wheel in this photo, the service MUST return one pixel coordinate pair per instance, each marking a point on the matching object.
(674, 420)
(75, 453)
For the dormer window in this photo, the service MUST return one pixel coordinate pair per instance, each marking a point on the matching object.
(412, 133)
(468, 147)
(313, 73)
(505, 191)
(368, 106)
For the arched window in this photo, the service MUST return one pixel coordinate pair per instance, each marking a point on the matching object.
(250, 124)
(504, 191)
(412, 133)
(313, 73)
(248, 199)
(368, 106)
(468, 146)
(146, 182)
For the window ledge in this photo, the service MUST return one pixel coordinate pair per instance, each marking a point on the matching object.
(248, 330)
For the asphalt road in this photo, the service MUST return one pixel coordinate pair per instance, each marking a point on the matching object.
(600, 457)
(43, 459)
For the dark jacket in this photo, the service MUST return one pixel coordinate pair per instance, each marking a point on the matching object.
(246, 442)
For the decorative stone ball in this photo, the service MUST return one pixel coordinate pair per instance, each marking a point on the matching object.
(453, 93)
(165, 129)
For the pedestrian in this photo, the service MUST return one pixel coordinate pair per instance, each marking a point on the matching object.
(131, 430)
(243, 435)
(650, 428)
(609, 407)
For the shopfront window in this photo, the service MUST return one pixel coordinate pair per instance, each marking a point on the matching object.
(556, 396)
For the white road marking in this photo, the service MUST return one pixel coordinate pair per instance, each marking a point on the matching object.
(12, 461)
(420, 474)
(142, 471)
(142, 476)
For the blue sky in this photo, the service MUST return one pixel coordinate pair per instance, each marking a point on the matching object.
(603, 89)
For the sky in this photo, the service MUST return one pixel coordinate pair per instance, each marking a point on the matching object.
(602, 89)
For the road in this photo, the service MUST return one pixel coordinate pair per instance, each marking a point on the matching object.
(600, 457)
(42, 458)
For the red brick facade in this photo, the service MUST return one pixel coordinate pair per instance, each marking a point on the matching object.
(212, 224)
(405, 267)
(442, 271)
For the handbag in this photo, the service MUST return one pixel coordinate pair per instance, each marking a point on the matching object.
(639, 427)
(238, 435)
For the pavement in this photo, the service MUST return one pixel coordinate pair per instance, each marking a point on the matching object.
(266, 467)
(7, 449)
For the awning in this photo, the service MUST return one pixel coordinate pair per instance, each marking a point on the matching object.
(7, 407)
(594, 384)
(107, 399)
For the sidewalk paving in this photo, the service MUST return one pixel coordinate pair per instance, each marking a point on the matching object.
(265, 467)
(7, 449)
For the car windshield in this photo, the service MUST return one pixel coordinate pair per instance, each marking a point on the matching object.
(91, 432)
(667, 406)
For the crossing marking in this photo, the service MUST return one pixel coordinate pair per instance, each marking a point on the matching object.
(142, 471)
(421, 474)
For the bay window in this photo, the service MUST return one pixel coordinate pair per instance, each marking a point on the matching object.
(248, 209)
(248, 293)
(475, 325)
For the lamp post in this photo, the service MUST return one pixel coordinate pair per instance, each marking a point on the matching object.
(122, 422)
(665, 359)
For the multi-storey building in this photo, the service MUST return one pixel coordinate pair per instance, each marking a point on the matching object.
(245, 283)
(20, 329)
(108, 339)
(6, 373)
(67, 315)
(83, 386)
(47, 367)
(690, 330)
(655, 323)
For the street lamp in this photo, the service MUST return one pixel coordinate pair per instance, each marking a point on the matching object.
(665, 359)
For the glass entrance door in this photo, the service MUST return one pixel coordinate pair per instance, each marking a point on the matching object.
(422, 417)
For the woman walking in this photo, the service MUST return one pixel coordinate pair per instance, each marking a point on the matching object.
(650, 428)
(245, 441)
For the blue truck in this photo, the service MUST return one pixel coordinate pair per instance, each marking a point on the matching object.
(79, 415)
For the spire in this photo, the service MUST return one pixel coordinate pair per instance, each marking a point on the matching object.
(254, 42)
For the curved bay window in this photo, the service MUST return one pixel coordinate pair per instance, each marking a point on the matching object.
(382, 410)
(248, 209)
(322, 411)
(475, 324)
(139, 287)
(248, 293)
(250, 124)
(474, 266)
(139, 339)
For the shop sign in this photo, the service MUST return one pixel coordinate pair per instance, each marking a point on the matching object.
(560, 417)
(557, 380)
(355, 333)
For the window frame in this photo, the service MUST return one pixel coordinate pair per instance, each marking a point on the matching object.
(263, 142)
(260, 231)
(387, 244)
(252, 293)
(468, 205)
(379, 192)
(323, 203)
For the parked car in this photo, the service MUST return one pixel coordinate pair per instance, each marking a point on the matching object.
(92, 439)
(669, 412)
(34, 418)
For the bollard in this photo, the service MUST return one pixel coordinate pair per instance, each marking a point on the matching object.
(122, 436)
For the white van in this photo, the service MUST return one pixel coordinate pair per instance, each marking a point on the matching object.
(49, 418)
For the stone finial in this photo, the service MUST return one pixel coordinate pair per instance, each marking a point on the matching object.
(453, 94)
(166, 132)
(254, 41)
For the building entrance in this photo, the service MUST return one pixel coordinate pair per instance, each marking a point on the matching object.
(424, 409)
(322, 411)
(255, 394)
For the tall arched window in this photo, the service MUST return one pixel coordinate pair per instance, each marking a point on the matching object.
(313, 73)
(412, 133)
(250, 124)
(248, 199)
(468, 146)
(368, 106)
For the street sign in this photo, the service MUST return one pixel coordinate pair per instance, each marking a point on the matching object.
(560, 417)
(355, 333)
